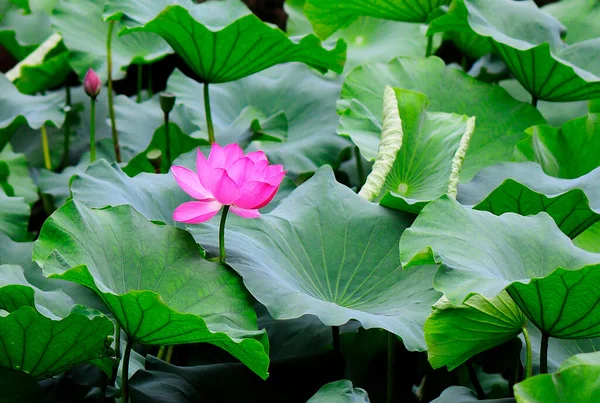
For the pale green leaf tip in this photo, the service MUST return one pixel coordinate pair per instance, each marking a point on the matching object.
(459, 158)
(391, 141)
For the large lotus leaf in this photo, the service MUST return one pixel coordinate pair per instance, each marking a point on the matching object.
(524, 188)
(153, 279)
(369, 40)
(17, 176)
(222, 41)
(14, 217)
(529, 41)
(553, 148)
(17, 109)
(462, 394)
(340, 392)
(328, 252)
(421, 171)
(578, 380)
(589, 239)
(501, 120)
(21, 32)
(563, 304)
(306, 100)
(327, 16)
(579, 16)
(40, 336)
(456, 333)
(179, 143)
(483, 253)
(85, 32)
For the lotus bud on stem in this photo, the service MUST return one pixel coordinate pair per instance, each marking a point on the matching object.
(92, 86)
(167, 102)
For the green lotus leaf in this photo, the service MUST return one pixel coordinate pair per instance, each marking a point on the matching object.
(462, 394)
(553, 148)
(576, 381)
(529, 41)
(328, 252)
(456, 333)
(327, 16)
(179, 143)
(17, 181)
(340, 392)
(84, 33)
(423, 166)
(48, 71)
(222, 41)
(524, 188)
(153, 279)
(483, 253)
(369, 40)
(306, 100)
(501, 120)
(21, 31)
(46, 339)
(14, 217)
(589, 239)
(35, 111)
(579, 16)
(563, 304)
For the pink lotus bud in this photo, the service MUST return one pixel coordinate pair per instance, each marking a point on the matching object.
(228, 177)
(92, 83)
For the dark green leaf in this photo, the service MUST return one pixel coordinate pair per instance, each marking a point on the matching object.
(222, 41)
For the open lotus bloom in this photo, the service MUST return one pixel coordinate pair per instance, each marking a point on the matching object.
(244, 182)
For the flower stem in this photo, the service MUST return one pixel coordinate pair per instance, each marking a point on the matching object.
(125, 372)
(529, 363)
(222, 234)
(67, 129)
(544, 354)
(391, 364)
(111, 104)
(209, 123)
(167, 141)
(139, 84)
(93, 130)
(429, 49)
(46, 148)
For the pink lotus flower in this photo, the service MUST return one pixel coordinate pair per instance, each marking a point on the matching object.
(244, 182)
(92, 83)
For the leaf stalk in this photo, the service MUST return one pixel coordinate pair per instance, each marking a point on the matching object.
(209, 122)
(111, 103)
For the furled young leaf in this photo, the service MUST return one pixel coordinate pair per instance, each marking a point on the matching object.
(529, 41)
(40, 74)
(579, 16)
(153, 279)
(483, 253)
(14, 217)
(554, 148)
(523, 188)
(500, 119)
(340, 392)
(306, 100)
(328, 252)
(222, 41)
(456, 333)
(18, 109)
(577, 381)
(21, 184)
(327, 16)
(423, 166)
(84, 33)
(179, 143)
(369, 40)
(44, 337)
(563, 304)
